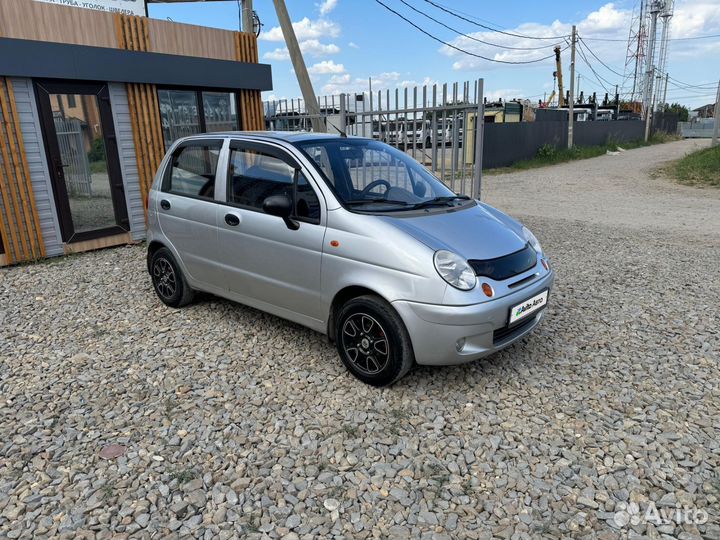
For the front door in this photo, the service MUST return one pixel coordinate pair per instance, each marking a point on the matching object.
(83, 159)
(267, 263)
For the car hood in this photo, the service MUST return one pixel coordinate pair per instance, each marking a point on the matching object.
(474, 232)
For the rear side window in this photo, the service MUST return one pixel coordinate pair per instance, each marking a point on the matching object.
(254, 176)
(192, 170)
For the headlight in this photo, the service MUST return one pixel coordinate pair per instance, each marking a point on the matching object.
(530, 237)
(455, 270)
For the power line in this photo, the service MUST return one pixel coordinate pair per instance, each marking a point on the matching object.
(458, 48)
(456, 14)
(670, 39)
(597, 75)
(704, 86)
(588, 49)
(471, 37)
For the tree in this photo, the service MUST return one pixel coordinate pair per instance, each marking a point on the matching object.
(681, 110)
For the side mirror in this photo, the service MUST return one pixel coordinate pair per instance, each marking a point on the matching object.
(282, 207)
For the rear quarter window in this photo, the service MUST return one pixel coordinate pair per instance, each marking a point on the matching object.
(192, 170)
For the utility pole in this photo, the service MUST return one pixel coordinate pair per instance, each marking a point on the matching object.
(664, 99)
(571, 101)
(617, 103)
(716, 127)
(247, 16)
(650, 70)
(311, 105)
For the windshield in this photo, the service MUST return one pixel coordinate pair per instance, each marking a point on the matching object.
(372, 176)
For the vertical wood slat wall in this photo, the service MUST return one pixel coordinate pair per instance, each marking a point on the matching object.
(20, 230)
(251, 109)
(133, 34)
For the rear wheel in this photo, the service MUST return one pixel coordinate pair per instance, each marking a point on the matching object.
(372, 341)
(168, 280)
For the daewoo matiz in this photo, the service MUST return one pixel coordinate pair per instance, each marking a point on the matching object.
(349, 237)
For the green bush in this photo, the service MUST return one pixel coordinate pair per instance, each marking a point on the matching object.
(547, 151)
(97, 150)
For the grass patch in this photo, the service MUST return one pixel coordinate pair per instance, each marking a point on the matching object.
(701, 168)
(548, 154)
(98, 167)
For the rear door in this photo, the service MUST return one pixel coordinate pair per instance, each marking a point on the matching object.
(187, 210)
(265, 261)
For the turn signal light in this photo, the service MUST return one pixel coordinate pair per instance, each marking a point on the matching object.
(545, 264)
(488, 290)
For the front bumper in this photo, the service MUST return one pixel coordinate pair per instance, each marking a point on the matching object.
(436, 329)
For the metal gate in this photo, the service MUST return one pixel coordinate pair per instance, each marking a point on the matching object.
(75, 159)
(437, 125)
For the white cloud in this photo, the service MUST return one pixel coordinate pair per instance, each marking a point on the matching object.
(340, 79)
(692, 19)
(353, 45)
(381, 81)
(310, 47)
(314, 48)
(277, 54)
(305, 29)
(325, 67)
(607, 21)
(327, 6)
(427, 81)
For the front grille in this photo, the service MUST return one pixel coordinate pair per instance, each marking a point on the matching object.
(506, 266)
(502, 334)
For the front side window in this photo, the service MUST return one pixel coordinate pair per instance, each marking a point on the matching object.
(370, 175)
(254, 176)
(192, 170)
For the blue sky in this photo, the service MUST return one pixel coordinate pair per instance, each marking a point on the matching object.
(347, 41)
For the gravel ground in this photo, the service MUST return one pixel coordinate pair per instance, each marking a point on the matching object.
(235, 424)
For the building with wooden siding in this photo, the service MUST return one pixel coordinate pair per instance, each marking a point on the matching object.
(89, 102)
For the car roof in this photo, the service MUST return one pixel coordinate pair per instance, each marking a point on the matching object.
(288, 136)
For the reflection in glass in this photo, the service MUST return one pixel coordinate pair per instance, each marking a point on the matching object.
(83, 160)
(179, 114)
(220, 111)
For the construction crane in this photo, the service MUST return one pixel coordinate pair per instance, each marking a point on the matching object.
(558, 64)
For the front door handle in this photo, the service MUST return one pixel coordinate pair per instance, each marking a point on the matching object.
(232, 220)
(165, 204)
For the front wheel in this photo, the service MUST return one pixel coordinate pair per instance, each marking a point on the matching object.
(372, 341)
(168, 280)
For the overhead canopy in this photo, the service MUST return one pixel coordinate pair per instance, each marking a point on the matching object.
(27, 58)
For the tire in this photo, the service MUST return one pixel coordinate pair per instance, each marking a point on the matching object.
(362, 325)
(168, 280)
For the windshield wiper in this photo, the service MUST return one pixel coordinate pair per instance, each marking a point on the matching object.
(357, 202)
(440, 201)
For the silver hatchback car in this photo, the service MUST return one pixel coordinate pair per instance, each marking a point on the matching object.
(349, 237)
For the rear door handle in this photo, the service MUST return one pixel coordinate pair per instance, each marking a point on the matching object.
(232, 220)
(165, 204)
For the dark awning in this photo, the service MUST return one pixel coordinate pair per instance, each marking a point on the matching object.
(26, 58)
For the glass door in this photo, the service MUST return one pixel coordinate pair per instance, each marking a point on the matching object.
(83, 159)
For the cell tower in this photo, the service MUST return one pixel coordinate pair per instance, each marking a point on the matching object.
(660, 88)
(637, 49)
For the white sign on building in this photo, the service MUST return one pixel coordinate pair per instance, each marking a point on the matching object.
(126, 7)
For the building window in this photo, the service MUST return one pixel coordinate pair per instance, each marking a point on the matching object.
(187, 112)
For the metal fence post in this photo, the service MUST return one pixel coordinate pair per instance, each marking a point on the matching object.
(716, 116)
(343, 113)
(479, 129)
